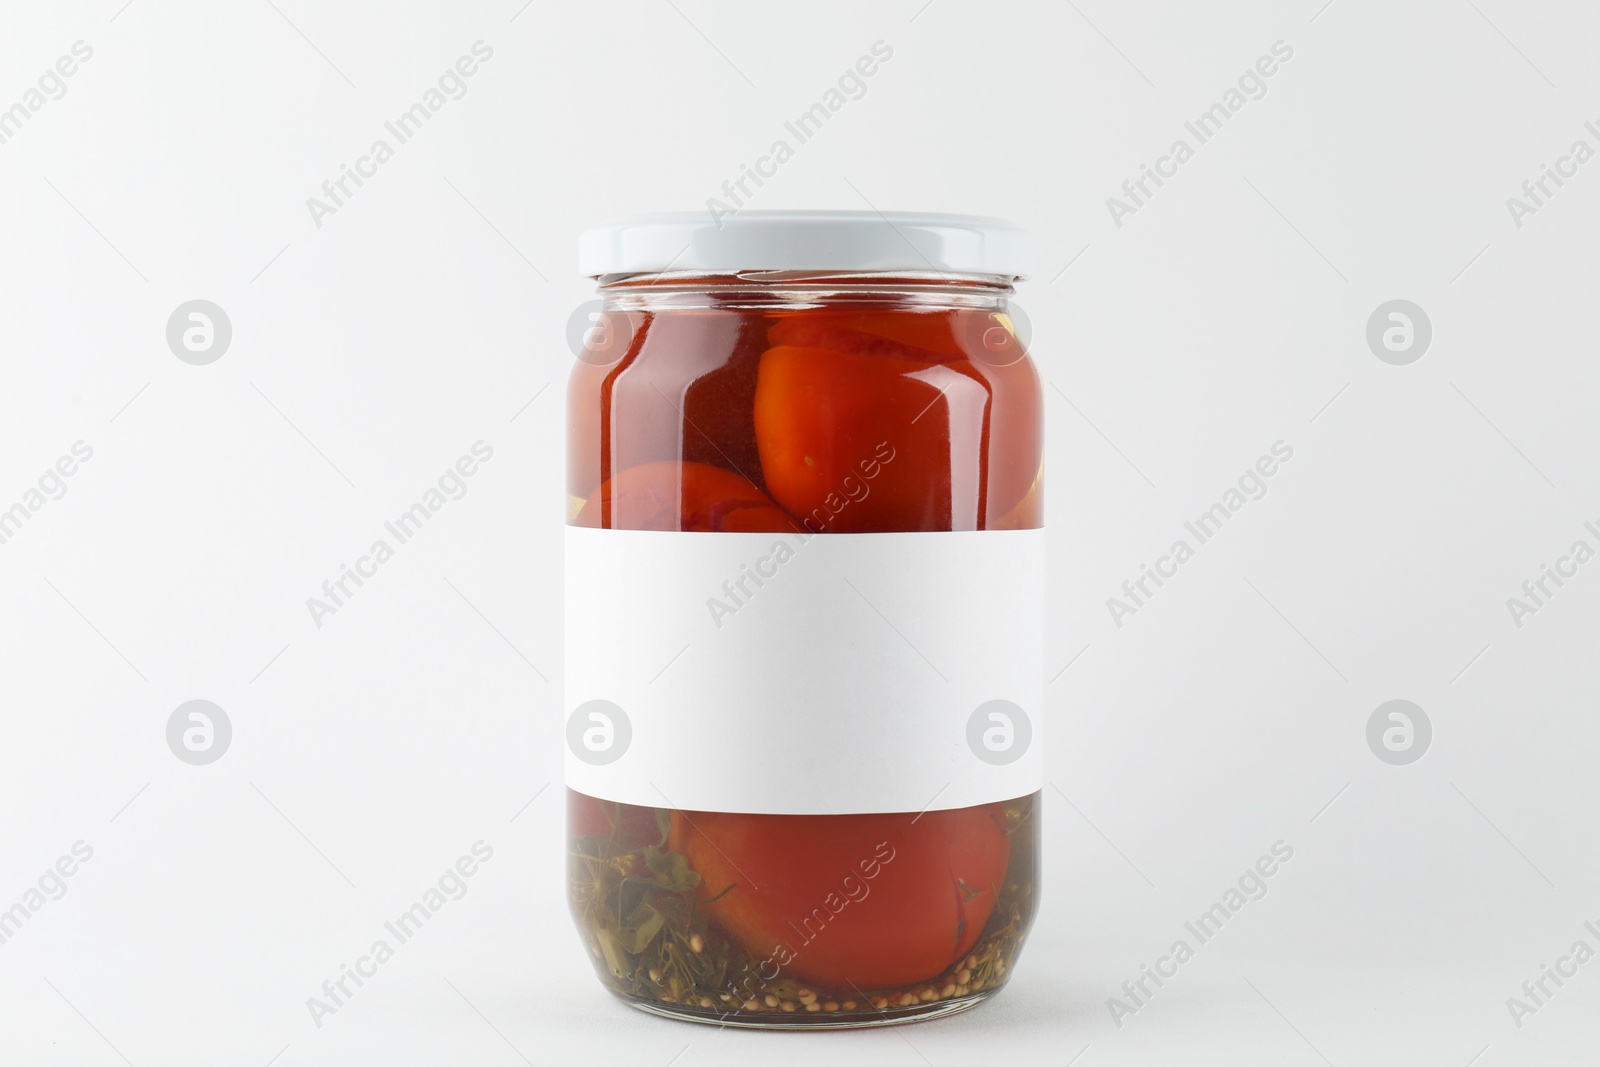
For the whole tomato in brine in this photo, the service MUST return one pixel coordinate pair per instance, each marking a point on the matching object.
(683, 496)
(842, 901)
(837, 393)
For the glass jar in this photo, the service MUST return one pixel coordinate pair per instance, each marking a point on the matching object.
(803, 671)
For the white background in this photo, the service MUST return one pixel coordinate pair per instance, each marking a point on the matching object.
(429, 313)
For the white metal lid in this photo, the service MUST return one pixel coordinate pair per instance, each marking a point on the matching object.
(805, 240)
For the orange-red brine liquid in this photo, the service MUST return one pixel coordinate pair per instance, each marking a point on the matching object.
(823, 420)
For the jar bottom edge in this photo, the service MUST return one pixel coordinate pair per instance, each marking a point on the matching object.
(802, 1020)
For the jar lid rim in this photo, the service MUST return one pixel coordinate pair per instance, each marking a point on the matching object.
(807, 241)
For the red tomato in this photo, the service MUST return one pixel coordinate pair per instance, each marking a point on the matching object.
(854, 443)
(929, 388)
(870, 901)
(826, 422)
(682, 496)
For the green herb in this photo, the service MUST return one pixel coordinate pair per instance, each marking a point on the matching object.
(642, 920)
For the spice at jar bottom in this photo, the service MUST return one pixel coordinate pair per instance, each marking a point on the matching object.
(854, 918)
(804, 687)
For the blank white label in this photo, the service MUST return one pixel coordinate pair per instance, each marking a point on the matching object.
(789, 674)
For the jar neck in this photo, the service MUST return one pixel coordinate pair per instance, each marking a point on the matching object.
(803, 289)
